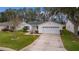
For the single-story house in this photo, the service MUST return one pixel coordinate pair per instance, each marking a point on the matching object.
(50, 27)
(46, 27)
(70, 26)
(19, 27)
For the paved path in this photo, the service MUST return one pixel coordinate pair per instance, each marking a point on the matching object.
(6, 49)
(46, 42)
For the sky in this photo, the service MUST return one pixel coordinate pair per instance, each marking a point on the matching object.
(2, 9)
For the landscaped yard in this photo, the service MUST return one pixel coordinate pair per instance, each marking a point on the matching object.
(70, 41)
(16, 40)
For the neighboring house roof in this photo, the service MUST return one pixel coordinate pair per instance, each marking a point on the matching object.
(4, 24)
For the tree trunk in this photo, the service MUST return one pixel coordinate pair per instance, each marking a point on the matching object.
(76, 29)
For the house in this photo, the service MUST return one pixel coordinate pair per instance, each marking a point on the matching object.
(70, 26)
(46, 27)
(18, 27)
(50, 27)
(4, 25)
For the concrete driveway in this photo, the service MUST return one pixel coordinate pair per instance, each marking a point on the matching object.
(46, 42)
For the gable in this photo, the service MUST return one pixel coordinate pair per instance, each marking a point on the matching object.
(50, 24)
(70, 26)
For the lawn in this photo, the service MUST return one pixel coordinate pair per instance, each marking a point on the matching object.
(16, 40)
(70, 41)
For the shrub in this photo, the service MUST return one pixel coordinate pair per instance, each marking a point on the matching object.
(6, 28)
(64, 27)
(25, 29)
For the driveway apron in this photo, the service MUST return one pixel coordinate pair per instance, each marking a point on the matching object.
(46, 42)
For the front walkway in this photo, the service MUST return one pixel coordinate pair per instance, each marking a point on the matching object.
(46, 42)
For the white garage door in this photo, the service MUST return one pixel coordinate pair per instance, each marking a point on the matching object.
(54, 30)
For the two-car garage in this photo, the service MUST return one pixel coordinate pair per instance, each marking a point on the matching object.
(50, 27)
(54, 30)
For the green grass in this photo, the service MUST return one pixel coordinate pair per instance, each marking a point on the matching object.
(70, 41)
(16, 40)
